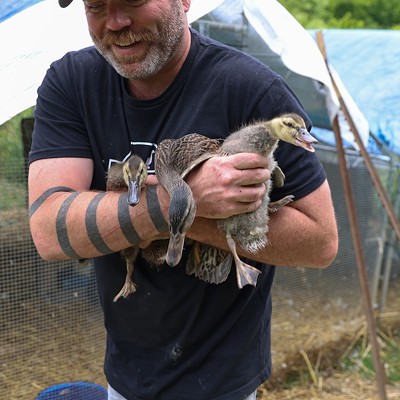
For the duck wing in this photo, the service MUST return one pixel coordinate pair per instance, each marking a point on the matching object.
(185, 153)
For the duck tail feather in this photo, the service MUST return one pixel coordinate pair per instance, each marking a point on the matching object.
(203, 262)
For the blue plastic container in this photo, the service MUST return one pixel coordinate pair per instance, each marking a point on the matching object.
(74, 391)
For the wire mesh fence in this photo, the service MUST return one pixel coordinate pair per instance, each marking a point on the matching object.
(315, 311)
(319, 312)
(51, 328)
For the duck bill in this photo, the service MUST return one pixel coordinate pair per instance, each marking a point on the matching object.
(175, 249)
(134, 192)
(305, 140)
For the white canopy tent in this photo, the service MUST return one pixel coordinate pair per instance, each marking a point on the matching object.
(31, 39)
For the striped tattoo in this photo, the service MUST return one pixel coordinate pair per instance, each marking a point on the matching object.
(92, 228)
(153, 206)
(39, 201)
(61, 227)
(125, 222)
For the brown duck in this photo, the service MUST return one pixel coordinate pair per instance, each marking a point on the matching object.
(178, 157)
(173, 159)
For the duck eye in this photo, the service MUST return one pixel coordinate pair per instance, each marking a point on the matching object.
(290, 125)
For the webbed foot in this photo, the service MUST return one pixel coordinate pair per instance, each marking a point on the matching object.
(130, 255)
(245, 273)
(128, 288)
(276, 205)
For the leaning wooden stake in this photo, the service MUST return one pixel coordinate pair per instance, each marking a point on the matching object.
(382, 193)
(362, 270)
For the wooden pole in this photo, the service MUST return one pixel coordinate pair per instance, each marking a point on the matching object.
(364, 153)
(362, 270)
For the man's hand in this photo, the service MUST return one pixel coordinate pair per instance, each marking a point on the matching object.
(225, 186)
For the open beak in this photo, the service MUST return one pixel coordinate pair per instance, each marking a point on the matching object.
(134, 192)
(175, 249)
(305, 140)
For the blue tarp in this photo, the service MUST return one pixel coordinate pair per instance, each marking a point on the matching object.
(368, 62)
(10, 7)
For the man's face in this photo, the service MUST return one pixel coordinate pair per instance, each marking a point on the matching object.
(137, 37)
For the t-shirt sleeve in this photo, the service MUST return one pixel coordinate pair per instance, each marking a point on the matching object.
(59, 126)
(303, 172)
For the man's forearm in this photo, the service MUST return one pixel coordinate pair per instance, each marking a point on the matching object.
(88, 224)
(302, 234)
(289, 243)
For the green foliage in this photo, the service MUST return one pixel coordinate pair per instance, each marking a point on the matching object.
(360, 359)
(13, 194)
(11, 147)
(12, 164)
(366, 14)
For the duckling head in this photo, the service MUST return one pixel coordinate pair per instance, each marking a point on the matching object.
(182, 211)
(291, 128)
(134, 171)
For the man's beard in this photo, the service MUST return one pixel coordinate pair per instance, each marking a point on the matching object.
(161, 46)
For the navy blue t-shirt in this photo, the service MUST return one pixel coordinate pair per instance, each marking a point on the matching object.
(176, 337)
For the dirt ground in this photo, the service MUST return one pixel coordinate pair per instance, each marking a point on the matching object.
(314, 354)
(51, 329)
(343, 386)
(51, 350)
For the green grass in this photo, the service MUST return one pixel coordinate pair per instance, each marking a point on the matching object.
(12, 174)
(13, 194)
(356, 360)
(360, 359)
(11, 148)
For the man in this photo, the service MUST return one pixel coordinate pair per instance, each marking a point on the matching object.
(149, 78)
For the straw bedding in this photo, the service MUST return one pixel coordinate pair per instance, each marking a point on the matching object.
(44, 342)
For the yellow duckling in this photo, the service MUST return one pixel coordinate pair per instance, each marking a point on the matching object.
(176, 158)
(250, 229)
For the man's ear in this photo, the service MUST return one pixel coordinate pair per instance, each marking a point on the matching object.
(186, 5)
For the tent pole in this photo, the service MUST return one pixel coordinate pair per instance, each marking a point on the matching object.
(362, 271)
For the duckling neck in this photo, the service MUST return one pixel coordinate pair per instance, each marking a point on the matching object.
(181, 196)
(254, 138)
(181, 200)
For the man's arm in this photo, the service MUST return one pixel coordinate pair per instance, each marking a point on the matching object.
(62, 224)
(303, 233)
(69, 221)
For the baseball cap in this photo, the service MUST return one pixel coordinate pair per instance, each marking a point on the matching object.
(64, 3)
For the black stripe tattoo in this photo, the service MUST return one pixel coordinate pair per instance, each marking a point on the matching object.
(92, 228)
(39, 201)
(61, 227)
(125, 222)
(153, 206)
